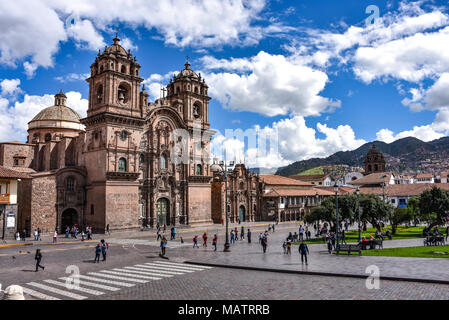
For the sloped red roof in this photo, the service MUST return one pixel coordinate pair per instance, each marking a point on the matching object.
(271, 179)
(12, 174)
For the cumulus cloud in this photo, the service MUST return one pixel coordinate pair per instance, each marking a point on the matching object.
(71, 77)
(424, 133)
(272, 85)
(33, 30)
(10, 87)
(284, 142)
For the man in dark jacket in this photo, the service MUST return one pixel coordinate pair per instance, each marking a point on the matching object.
(304, 251)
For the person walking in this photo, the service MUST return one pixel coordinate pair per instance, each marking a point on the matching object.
(214, 242)
(260, 238)
(89, 234)
(107, 230)
(55, 236)
(104, 248)
(195, 241)
(67, 231)
(248, 235)
(24, 235)
(158, 235)
(205, 239)
(289, 247)
(35, 234)
(301, 233)
(329, 245)
(97, 253)
(82, 235)
(38, 258)
(232, 236)
(165, 228)
(39, 234)
(242, 233)
(236, 234)
(264, 243)
(163, 245)
(303, 251)
(284, 246)
(273, 227)
(174, 233)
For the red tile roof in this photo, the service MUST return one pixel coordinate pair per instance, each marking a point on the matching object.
(279, 192)
(271, 179)
(310, 177)
(12, 174)
(373, 178)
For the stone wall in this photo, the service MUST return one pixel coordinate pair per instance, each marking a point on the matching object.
(24, 204)
(43, 203)
(5, 211)
(9, 150)
(122, 205)
(217, 202)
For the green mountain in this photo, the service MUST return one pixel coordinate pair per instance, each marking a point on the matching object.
(403, 155)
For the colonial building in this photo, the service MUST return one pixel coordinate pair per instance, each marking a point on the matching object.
(315, 179)
(129, 163)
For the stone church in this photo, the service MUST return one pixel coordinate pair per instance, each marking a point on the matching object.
(129, 163)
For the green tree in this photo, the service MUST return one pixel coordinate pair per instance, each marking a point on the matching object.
(413, 207)
(373, 209)
(398, 216)
(434, 206)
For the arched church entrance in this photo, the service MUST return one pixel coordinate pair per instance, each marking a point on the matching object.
(242, 213)
(69, 218)
(163, 211)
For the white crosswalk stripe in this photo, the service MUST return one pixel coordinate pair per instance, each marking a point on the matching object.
(127, 274)
(186, 268)
(147, 271)
(156, 268)
(110, 280)
(57, 291)
(184, 264)
(110, 276)
(95, 285)
(115, 283)
(157, 265)
(74, 287)
(38, 294)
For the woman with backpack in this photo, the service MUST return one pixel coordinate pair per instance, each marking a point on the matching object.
(163, 245)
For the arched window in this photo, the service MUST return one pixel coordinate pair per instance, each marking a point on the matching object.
(101, 69)
(123, 69)
(122, 165)
(376, 167)
(48, 137)
(141, 158)
(122, 94)
(70, 184)
(196, 89)
(241, 186)
(99, 93)
(199, 170)
(164, 162)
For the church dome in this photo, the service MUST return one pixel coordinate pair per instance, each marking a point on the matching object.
(116, 48)
(57, 116)
(187, 72)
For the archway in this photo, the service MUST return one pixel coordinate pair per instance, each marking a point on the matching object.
(242, 213)
(68, 218)
(163, 211)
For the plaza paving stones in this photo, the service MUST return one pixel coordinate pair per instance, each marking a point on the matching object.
(245, 254)
(106, 281)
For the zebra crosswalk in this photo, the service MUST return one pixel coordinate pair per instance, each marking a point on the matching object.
(97, 283)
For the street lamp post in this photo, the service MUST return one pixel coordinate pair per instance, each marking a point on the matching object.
(357, 192)
(336, 212)
(224, 166)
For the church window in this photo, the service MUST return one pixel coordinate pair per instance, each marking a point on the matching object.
(199, 170)
(196, 111)
(19, 162)
(177, 90)
(196, 90)
(123, 69)
(142, 158)
(241, 186)
(101, 69)
(122, 94)
(369, 168)
(99, 93)
(48, 137)
(123, 135)
(164, 161)
(376, 167)
(92, 209)
(70, 184)
(122, 165)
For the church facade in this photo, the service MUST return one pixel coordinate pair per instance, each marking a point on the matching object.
(128, 163)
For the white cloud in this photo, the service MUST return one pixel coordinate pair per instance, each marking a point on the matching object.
(290, 140)
(10, 87)
(85, 35)
(273, 85)
(424, 133)
(71, 77)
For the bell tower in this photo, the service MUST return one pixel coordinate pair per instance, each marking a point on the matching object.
(114, 124)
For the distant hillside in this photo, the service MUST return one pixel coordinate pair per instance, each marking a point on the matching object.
(316, 170)
(405, 155)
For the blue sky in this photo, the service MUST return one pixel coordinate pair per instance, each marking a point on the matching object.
(313, 73)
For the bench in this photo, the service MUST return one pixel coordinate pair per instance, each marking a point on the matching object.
(383, 235)
(434, 240)
(349, 248)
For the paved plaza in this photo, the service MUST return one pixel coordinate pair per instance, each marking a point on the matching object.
(134, 270)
